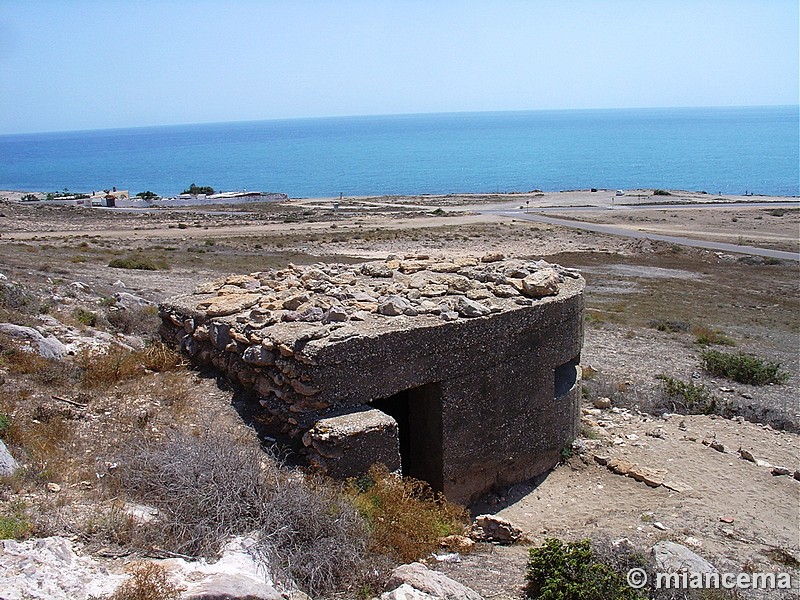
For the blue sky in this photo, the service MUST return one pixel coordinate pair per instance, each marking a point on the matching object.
(71, 64)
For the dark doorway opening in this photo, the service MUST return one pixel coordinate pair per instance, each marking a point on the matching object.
(418, 412)
(565, 376)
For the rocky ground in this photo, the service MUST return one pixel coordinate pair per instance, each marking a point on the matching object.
(648, 304)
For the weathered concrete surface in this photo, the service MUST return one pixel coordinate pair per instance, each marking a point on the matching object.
(349, 444)
(476, 361)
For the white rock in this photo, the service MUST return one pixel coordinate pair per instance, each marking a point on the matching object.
(406, 592)
(541, 283)
(7, 463)
(129, 301)
(49, 569)
(394, 306)
(47, 347)
(676, 558)
(436, 584)
(236, 575)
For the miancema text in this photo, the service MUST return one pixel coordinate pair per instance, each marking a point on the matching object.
(728, 581)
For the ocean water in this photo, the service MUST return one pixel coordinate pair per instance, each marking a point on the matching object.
(729, 150)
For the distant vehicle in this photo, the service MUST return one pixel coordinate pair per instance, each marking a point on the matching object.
(620, 193)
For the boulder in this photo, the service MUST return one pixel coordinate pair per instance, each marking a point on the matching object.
(47, 347)
(394, 306)
(49, 569)
(237, 575)
(128, 301)
(541, 283)
(470, 308)
(421, 578)
(602, 402)
(490, 528)
(676, 558)
(7, 463)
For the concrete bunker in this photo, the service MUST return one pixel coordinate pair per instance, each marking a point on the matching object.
(461, 372)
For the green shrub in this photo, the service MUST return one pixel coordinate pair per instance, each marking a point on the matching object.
(661, 193)
(692, 398)
(742, 368)
(147, 195)
(142, 263)
(85, 317)
(5, 425)
(558, 571)
(14, 523)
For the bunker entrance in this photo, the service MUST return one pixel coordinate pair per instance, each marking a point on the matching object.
(418, 412)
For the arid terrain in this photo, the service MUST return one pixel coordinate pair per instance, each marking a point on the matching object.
(652, 309)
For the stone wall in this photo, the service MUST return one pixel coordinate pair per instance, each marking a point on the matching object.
(473, 360)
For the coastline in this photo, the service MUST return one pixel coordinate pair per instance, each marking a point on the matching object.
(598, 198)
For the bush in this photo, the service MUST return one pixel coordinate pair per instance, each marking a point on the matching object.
(205, 488)
(42, 370)
(707, 337)
(668, 326)
(147, 195)
(159, 357)
(406, 518)
(742, 368)
(141, 263)
(312, 535)
(135, 320)
(104, 368)
(661, 193)
(15, 297)
(14, 523)
(85, 317)
(558, 571)
(5, 425)
(690, 398)
(210, 487)
(148, 581)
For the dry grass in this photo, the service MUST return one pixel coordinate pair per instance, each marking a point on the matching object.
(42, 445)
(104, 368)
(207, 488)
(148, 581)
(406, 518)
(311, 534)
(44, 371)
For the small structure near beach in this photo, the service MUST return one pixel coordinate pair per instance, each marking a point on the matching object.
(461, 372)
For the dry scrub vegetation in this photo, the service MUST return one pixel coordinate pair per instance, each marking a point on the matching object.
(108, 429)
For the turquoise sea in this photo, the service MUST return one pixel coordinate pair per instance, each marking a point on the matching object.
(729, 150)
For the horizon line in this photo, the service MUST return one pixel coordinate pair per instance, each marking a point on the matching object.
(378, 115)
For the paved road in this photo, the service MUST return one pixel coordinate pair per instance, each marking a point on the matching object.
(614, 230)
(668, 206)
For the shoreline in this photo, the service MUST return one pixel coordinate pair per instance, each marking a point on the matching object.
(592, 198)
